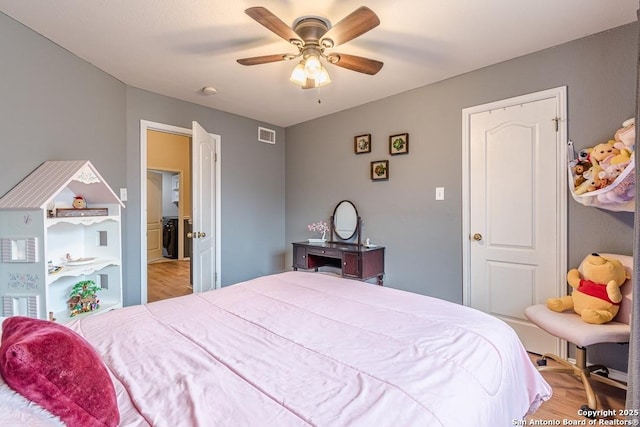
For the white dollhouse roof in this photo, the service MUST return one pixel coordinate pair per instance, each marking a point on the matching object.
(38, 189)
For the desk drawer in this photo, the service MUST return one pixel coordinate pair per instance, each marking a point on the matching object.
(299, 257)
(325, 252)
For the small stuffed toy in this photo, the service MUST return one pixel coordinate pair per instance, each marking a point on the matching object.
(602, 154)
(585, 155)
(578, 170)
(79, 202)
(625, 137)
(592, 181)
(596, 293)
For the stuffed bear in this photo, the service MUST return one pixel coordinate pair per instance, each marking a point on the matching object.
(596, 294)
(592, 181)
(625, 137)
(602, 154)
(578, 170)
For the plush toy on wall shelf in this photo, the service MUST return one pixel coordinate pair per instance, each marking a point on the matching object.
(602, 154)
(578, 172)
(596, 292)
(625, 137)
(603, 176)
(591, 180)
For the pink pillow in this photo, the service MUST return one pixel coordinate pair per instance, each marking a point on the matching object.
(56, 368)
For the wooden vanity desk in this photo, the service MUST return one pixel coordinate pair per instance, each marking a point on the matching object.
(354, 261)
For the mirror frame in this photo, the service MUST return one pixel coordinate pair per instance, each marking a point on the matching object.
(333, 222)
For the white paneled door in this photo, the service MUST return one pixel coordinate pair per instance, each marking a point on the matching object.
(516, 209)
(154, 216)
(203, 209)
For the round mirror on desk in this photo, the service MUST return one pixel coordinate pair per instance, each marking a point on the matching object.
(345, 220)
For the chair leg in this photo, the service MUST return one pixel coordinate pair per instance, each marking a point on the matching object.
(583, 371)
(591, 396)
(609, 381)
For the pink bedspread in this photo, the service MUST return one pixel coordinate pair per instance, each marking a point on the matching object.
(300, 348)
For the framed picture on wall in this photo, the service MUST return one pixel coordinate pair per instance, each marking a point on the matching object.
(362, 143)
(399, 144)
(380, 170)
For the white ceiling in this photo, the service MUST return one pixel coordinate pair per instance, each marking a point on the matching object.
(175, 48)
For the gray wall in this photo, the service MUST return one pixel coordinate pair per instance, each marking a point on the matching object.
(423, 237)
(55, 106)
(253, 191)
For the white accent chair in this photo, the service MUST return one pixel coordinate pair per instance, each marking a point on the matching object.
(569, 327)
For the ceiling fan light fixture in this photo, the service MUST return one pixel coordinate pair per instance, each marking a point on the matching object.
(312, 67)
(323, 78)
(300, 78)
(298, 75)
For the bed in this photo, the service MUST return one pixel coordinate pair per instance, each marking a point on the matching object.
(300, 349)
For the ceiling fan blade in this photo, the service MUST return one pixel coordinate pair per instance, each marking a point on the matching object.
(257, 60)
(270, 21)
(355, 63)
(353, 25)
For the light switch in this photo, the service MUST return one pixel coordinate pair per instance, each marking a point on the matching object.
(439, 193)
(123, 194)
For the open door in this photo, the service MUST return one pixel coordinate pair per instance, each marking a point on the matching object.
(203, 209)
(154, 216)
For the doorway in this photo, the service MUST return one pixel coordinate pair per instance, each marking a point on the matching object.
(168, 212)
(168, 248)
(180, 193)
(514, 209)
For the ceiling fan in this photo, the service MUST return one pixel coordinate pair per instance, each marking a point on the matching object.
(313, 35)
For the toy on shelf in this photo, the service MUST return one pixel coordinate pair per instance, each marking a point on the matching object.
(79, 202)
(82, 298)
(602, 176)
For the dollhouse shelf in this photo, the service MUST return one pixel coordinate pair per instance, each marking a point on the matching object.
(64, 317)
(84, 244)
(81, 270)
(84, 220)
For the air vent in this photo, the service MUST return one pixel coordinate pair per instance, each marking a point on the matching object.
(266, 135)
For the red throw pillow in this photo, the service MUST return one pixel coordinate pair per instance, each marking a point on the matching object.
(56, 368)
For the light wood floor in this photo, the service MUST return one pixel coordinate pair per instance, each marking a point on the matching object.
(568, 397)
(167, 279)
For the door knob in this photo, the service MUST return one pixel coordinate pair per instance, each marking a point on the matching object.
(196, 235)
(477, 237)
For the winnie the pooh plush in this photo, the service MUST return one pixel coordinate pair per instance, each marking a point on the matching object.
(596, 293)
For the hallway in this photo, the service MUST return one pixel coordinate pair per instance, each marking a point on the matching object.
(168, 279)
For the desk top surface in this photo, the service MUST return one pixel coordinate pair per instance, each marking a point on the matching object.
(340, 246)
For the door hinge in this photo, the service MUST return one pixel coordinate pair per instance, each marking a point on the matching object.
(556, 120)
